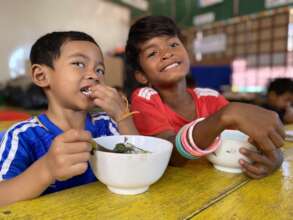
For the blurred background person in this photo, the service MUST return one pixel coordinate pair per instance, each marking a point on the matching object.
(279, 98)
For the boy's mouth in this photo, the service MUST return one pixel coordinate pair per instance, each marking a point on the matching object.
(170, 66)
(86, 91)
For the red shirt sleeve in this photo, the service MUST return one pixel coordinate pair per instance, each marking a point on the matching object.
(208, 102)
(151, 119)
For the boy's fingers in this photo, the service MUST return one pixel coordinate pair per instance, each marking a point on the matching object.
(79, 158)
(78, 147)
(102, 80)
(78, 169)
(101, 91)
(74, 135)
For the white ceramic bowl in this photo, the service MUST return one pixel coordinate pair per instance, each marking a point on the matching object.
(131, 174)
(226, 157)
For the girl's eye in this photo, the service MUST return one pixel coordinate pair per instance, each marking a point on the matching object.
(153, 53)
(79, 64)
(100, 71)
(174, 44)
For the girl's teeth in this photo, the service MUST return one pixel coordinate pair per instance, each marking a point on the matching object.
(171, 66)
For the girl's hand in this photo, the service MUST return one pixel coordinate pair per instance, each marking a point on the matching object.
(68, 154)
(262, 126)
(262, 164)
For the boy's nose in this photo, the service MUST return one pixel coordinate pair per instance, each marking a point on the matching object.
(92, 76)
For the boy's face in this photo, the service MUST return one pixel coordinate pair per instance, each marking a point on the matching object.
(164, 60)
(80, 65)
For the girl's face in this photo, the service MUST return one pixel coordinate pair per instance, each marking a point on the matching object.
(164, 60)
(79, 66)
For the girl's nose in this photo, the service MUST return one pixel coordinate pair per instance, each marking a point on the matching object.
(167, 54)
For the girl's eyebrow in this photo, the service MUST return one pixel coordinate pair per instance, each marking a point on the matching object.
(99, 63)
(154, 45)
(148, 47)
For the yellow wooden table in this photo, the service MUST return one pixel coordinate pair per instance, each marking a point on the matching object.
(195, 191)
(268, 198)
(180, 193)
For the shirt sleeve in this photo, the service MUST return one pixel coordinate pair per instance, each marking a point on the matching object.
(221, 101)
(104, 125)
(14, 159)
(151, 119)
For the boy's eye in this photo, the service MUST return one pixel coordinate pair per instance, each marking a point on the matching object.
(79, 64)
(151, 54)
(100, 71)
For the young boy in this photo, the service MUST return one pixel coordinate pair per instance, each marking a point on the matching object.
(280, 98)
(50, 152)
(158, 60)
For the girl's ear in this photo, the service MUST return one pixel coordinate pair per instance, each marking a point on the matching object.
(141, 78)
(40, 75)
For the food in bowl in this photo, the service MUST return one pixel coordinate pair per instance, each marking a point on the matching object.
(131, 174)
(226, 157)
(124, 148)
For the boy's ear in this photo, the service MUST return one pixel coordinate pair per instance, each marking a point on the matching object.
(141, 78)
(40, 75)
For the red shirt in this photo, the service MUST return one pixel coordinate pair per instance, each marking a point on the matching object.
(156, 117)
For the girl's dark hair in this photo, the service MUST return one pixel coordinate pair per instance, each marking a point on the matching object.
(143, 30)
(47, 48)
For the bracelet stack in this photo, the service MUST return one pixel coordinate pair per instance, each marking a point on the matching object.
(126, 113)
(186, 146)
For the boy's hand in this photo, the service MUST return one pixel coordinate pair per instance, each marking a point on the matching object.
(266, 132)
(109, 100)
(69, 154)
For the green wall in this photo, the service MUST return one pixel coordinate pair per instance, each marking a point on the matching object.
(183, 11)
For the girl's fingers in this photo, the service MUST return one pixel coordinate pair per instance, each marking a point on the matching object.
(251, 174)
(277, 139)
(265, 144)
(255, 170)
(280, 129)
(255, 157)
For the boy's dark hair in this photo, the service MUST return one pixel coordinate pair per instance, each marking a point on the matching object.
(281, 86)
(145, 29)
(47, 48)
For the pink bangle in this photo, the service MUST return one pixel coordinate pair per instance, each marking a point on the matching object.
(192, 147)
(187, 147)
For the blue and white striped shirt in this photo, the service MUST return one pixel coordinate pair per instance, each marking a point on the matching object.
(27, 141)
